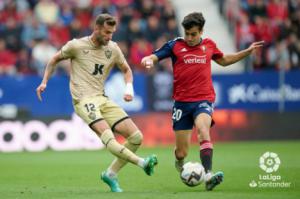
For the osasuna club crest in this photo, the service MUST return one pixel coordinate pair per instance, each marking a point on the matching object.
(203, 48)
(108, 53)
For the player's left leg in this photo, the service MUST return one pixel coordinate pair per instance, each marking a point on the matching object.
(203, 123)
(133, 137)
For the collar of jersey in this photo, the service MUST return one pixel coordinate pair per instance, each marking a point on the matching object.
(200, 42)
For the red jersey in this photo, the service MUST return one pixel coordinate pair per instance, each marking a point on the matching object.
(191, 68)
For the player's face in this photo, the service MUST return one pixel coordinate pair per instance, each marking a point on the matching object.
(192, 36)
(104, 33)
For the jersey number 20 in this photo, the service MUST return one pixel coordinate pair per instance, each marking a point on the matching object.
(177, 113)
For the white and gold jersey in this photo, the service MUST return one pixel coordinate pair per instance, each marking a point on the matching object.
(90, 65)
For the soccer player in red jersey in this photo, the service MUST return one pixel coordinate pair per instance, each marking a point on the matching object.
(193, 90)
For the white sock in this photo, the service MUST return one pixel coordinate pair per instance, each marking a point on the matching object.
(208, 176)
(111, 173)
(141, 162)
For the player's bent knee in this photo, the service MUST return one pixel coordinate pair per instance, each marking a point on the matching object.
(112, 145)
(107, 136)
(136, 138)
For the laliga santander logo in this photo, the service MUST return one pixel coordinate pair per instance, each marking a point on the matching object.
(269, 162)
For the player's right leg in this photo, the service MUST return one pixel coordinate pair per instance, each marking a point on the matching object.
(182, 138)
(182, 126)
(111, 181)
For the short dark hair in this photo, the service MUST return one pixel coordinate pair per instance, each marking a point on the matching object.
(106, 19)
(193, 19)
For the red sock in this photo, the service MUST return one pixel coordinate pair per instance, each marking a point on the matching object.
(206, 153)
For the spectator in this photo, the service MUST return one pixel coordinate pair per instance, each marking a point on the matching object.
(66, 15)
(277, 10)
(134, 30)
(104, 6)
(22, 6)
(58, 34)
(146, 8)
(172, 29)
(23, 23)
(279, 56)
(82, 4)
(139, 49)
(285, 29)
(258, 8)
(126, 14)
(23, 65)
(7, 60)
(294, 51)
(245, 32)
(33, 30)
(41, 54)
(76, 29)
(245, 35)
(153, 29)
(277, 22)
(84, 16)
(11, 33)
(9, 11)
(167, 11)
(47, 11)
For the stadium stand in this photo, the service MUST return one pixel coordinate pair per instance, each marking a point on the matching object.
(277, 22)
(29, 28)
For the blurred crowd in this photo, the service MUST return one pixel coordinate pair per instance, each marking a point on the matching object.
(277, 22)
(31, 31)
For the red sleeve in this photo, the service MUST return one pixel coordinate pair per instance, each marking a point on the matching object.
(217, 53)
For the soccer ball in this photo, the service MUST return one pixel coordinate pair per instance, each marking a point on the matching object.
(192, 174)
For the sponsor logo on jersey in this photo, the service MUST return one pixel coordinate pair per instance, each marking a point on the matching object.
(183, 50)
(98, 69)
(194, 59)
(85, 51)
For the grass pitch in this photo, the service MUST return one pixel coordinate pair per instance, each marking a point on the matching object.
(75, 174)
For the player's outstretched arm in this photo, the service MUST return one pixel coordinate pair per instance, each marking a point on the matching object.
(48, 72)
(235, 57)
(127, 72)
(149, 61)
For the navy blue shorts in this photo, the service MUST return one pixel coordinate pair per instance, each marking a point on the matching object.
(184, 113)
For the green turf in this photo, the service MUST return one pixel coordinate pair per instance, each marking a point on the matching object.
(76, 174)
